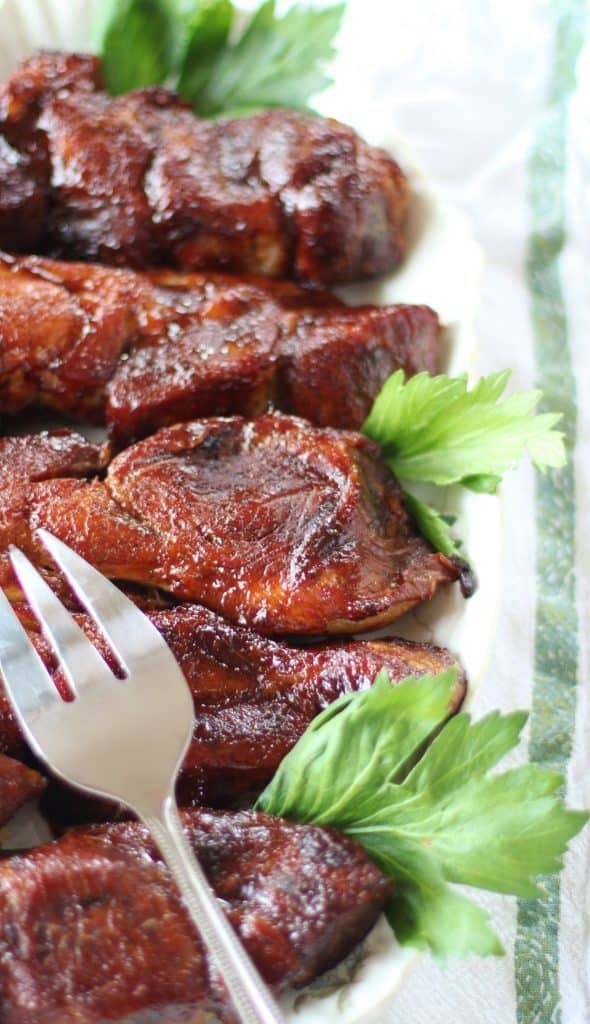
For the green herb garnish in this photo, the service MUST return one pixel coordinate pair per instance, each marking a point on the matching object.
(276, 62)
(206, 34)
(428, 819)
(434, 526)
(435, 430)
(138, 42)
(195, 47)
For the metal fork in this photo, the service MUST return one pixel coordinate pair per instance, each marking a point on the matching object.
(123, 739)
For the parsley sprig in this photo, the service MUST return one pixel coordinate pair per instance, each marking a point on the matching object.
(428, 819)
(197, 47)
(435, 430)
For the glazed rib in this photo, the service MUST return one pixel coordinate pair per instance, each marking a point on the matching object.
(92, 930)
(271, 522)
(254, 697)
(140, 181)
(24, 462)
(141, 351)
(17, 782)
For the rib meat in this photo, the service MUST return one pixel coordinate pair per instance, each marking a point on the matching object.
(254, 697)
(22, 201)
(17, 784)
(277, 524)
(141, 351)
(140, 181)
(24, 461)
(273, 523)
(92, 930)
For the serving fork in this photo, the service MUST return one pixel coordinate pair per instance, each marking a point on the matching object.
(123, 739)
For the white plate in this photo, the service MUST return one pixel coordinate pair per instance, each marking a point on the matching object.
(443, 270)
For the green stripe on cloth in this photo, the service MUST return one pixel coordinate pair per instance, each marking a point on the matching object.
(556, 623)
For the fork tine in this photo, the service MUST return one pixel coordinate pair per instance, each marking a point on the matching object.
(26, 679)
(132, 636)
(78, 658)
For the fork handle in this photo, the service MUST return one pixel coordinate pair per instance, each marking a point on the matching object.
(250, 996)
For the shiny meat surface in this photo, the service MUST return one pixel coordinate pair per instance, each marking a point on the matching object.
(17, 783)
(91, 930)
(24, 156)
(62, 332)
(277, 524)
(273, 523)
(24, 462)
(254, 697)
(140, 181)
(22, 200)
(141, 351)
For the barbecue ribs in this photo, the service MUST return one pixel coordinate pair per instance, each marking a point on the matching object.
(17, 782)
(254, 697)
(140, 181)
(146, 350)
(24, 462)
(273, 523)
(91, 929)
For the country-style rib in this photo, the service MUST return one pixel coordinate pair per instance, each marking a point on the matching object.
(254, 697)
(24, 462)
(17, 783)
(140, 181)
(141, 351)
(273, 523)
(92, 930)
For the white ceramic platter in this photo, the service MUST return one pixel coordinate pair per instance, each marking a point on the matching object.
(442, 270)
